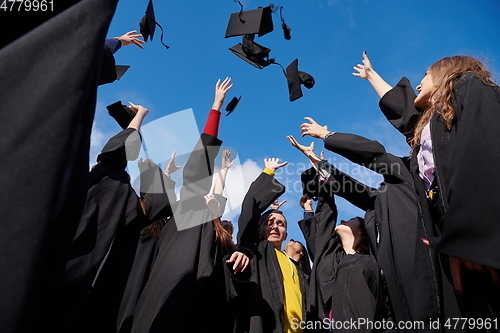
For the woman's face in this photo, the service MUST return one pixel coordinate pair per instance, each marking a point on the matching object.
(348, 227)
(424, 89)
(293, 247)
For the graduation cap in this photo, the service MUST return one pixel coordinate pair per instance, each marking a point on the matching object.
(148, 24)
(120, 70)
(255, 21)
(232, 105)
(297, 78)
(284, 26)
(121, 113)
(110, 72)
(253, 53)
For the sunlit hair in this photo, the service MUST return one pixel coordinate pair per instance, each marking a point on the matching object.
(222, 236)
(445, 75)
(265, 216)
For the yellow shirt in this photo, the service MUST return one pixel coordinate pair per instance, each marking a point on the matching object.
(292, 298)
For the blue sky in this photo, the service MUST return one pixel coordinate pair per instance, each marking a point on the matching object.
(402, 38)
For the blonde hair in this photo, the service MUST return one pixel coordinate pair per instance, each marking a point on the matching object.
(445, 74)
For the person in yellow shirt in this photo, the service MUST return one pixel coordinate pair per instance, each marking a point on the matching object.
(280, 285)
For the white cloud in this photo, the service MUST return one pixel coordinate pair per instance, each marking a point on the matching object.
(97, 140)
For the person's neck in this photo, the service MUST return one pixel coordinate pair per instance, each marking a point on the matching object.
(348, 244)
(295, 256)
(277, 245)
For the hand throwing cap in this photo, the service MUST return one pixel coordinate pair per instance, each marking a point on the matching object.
(255, 21)
(121, 113)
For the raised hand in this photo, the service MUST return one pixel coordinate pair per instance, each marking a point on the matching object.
(171, 167)
(365, 70)
(308, 151)
(305, 202)
(226, 159)
(313, 129)
(221, 89)
(273, 164)
(129, 38)
(276, 205)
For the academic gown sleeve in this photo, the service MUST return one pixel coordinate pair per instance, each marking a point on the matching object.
(262, 193)
(158, 190)
(398, 107)
(470, 227)
(368, 153)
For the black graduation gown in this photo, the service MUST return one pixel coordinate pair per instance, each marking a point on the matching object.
(190, 287)
(266, 307)
(466, 192)
(411, 269)
(48, 96)
(104, 299)
(350, 286)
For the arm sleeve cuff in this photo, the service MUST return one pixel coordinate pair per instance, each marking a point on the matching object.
(268, 171)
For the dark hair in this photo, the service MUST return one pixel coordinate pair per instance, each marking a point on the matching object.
(265, 216)
(363, 245)
(304, 263)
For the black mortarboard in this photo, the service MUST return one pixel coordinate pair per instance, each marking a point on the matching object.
(120, 70)
(232, 105)
(121, 113)
(296, 78)
(253, 53)
(255, 21)
(284, 26)
(148, 23)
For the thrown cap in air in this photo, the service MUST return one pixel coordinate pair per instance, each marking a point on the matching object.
(253, 53)
(255, 21)
(121, 113)
(297, 78)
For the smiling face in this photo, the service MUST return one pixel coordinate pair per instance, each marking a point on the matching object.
(273, 229)
(424, 89)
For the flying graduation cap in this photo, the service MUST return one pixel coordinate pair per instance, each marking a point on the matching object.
(297, 78)
(249, 22)
(284, 26)
(122, 114)
(253, 53)
(232, 105)
(148, 24)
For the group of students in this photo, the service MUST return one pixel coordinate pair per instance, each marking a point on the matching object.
(426, 250)
(152, 262)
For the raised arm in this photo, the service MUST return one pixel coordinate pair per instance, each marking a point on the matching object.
(339, 183)
(366, 71)
(368, 153)
(140, 114)
(262, 193)
(221, 180)
(198, 171)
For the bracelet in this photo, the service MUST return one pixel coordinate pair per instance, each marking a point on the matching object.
(327, 135)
